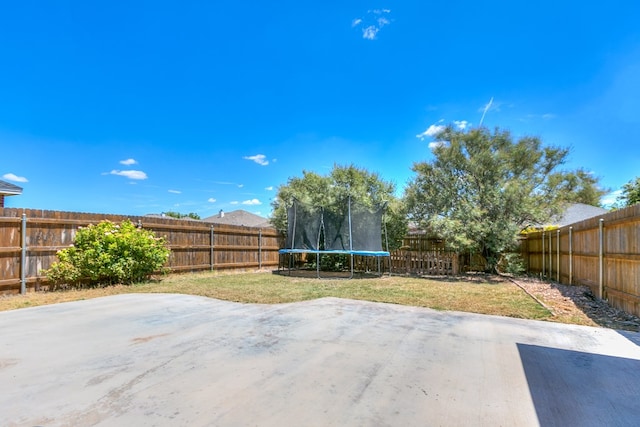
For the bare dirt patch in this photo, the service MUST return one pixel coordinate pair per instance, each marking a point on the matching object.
(579, 304)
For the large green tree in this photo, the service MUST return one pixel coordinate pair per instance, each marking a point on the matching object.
(631, 192)
(579, 186)
(482, 188)
(364, 187)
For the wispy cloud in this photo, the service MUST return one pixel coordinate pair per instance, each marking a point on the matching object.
(15, 178)
(252, 202)
(211, 200)
(128, 162)
(611, 198)
(436, 144)
(235, 202)
(431, 131)
(485, 109)
(372, 22)
(461, 124)
(175, 191)
(131, 174)
(436, 128)
(260, 159)
(269, 188)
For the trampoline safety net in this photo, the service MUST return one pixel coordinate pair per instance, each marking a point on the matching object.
(344, 226)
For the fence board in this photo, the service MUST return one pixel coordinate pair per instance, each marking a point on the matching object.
(194, 245)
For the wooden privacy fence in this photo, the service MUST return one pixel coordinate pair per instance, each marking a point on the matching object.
(423, 255)
(602, 253)
(30, 239)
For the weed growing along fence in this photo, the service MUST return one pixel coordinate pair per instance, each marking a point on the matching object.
(602, 253)
(30, 239)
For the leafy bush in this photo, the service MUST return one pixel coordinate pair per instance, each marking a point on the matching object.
(512, 263)
(109, 253)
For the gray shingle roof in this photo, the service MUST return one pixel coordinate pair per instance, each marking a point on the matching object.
(239, 217)
(577, 212)
(9, 189)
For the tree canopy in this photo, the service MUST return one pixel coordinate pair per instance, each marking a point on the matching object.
(482, 188)
(364, 187)
(179, 215)
(578, 186)
(631, 192)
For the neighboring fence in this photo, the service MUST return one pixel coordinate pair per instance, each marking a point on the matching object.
(423, 255)
(602, 253)
(195, 245)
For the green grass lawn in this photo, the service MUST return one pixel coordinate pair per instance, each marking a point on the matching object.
(476, 294)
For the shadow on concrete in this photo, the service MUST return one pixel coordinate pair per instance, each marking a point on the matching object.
(572, 388)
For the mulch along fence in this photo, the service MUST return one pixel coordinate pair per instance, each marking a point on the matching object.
(602, 253)
(195, 245)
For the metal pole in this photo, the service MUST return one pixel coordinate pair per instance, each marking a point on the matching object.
(558, 255)
(601, 259)
(571, 255)
(23, 256)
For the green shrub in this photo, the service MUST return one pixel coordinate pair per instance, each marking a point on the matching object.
(109, 253)
(512, 263)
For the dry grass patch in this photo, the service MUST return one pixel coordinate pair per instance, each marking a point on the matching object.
(476, 294)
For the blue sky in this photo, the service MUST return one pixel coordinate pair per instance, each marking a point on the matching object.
(150, 106)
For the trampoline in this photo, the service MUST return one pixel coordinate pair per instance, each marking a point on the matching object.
(342, 228)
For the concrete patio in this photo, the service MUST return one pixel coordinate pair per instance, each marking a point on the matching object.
(177, 360)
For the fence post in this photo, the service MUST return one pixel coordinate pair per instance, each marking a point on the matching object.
(550, 255)
(211, 250)
(601, 259)
(571, 255)
(23, 255)
(558, 255)
(542, 253)
(260, 249)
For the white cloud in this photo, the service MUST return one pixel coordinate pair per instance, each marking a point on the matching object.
(372, 23)
(211, 200)
(131, 174)
(235, 202)
(269, 188)
(175, 191)
(15, 178)
(252, 202)
(431, 131)
(370, 32)
(461, 124)
(240, 185)
(260, 159)
(128, 162)
(436, 144)
(611, 198)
